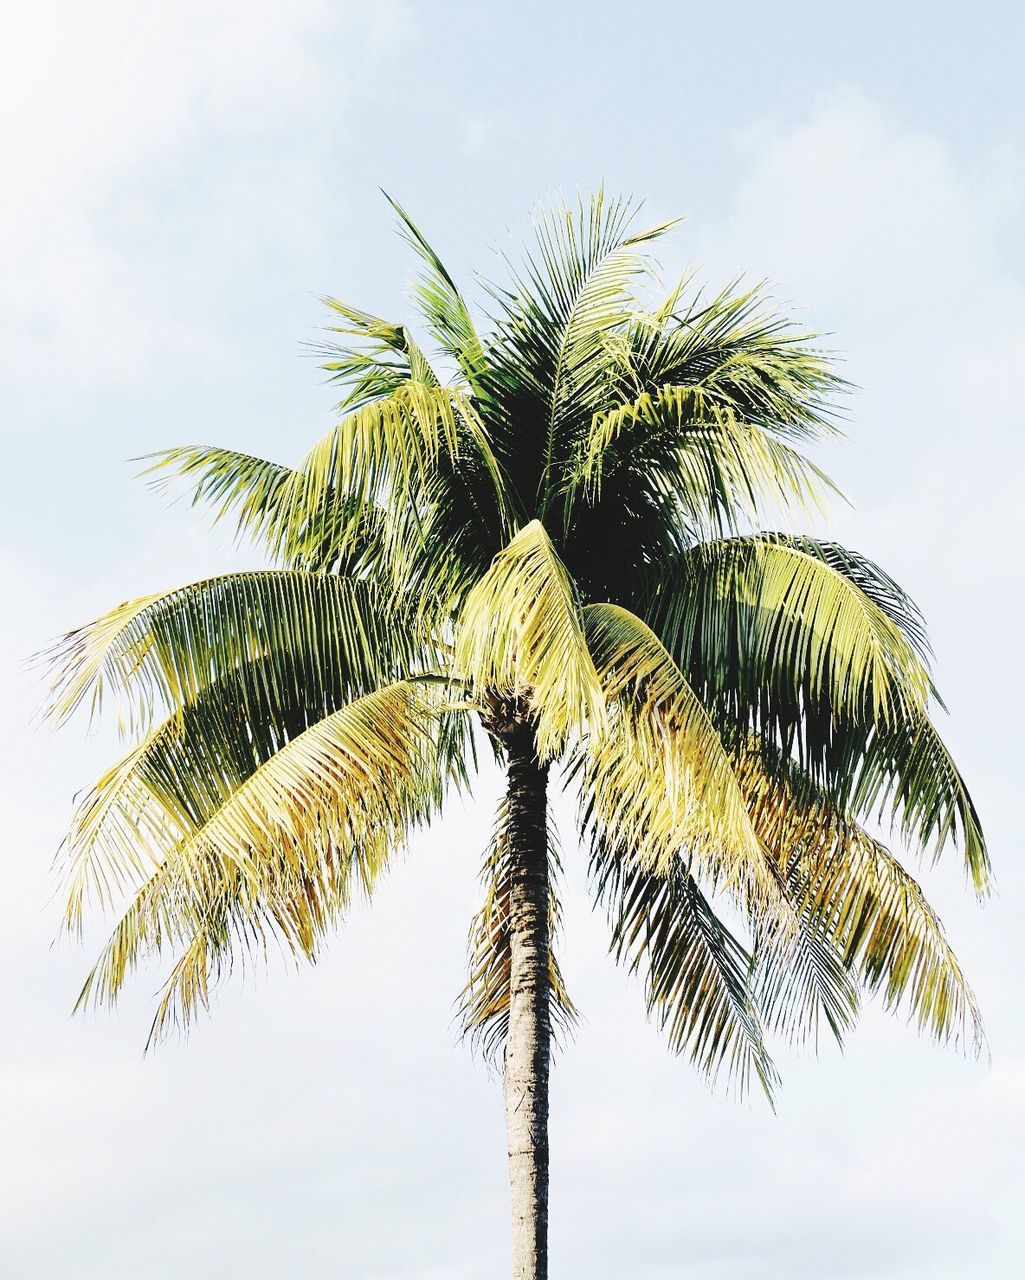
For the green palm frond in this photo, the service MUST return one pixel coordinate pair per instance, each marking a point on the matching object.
(658, 780)
(740, 352)
(372, 357)
(816, 649)
(284, 852)
(390, 447)
(411, 454)
(696, 971)
(547, 355)
(188, 765)
(165, 649)
(225, 480)
(689, 445)
(484, 1001)
(520, 636)
(784, 616)
(860, 910)
(903, 773)
(441, 304)
(342, 535)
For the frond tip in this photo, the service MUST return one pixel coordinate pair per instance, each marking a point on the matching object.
(696, 972)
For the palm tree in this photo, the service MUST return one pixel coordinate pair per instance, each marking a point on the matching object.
(544, 537)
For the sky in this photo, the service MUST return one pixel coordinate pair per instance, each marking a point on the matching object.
(182, 182)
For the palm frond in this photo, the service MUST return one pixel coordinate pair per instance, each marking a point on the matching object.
(548, 354)
(520, 635)
(821, 653)
(861, 913)
(903, 773)
(738, 350)
(188, 765)
(341, 536)
(690, 445)
(441, 303)
(372, 357)
(484, 1001)
(284, 852)
(164, 649)
(696, 971)
(408, 452)
(225, 480)
(659, 781)
(782, 618)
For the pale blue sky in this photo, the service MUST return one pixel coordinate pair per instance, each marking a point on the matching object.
(180, 183)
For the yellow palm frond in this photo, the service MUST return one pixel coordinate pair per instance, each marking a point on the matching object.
(520, 635)
(285, 850)
(858, 909)
(658, 779)
(693, 446)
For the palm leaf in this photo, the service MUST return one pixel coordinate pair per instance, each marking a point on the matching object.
(520, 636)
(285, 850)
(384, 357)
(738, 352)
(658, 780)
(547, 357)
(690, 444)
(164, 649)
(484, 1001)
(441, 303)
(819, 651)
(861, 914)
(784, 615)
(695, 969)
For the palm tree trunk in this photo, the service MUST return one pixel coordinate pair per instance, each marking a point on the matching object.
(529, 1040)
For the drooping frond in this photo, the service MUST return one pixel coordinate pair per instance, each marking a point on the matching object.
(658, 780)
(520, 635)
(861, 914)
(484, 1001)
(189, 764)
(903, 772)
(821, 653)
(695, 970)
(284, 852)
(781, 615)
(164, 649)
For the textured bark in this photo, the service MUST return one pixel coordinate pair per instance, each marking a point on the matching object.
(528, 1046)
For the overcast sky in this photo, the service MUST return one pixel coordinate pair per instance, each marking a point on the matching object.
(180, 183)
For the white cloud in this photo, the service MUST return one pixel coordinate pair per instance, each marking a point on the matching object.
(147, 143)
